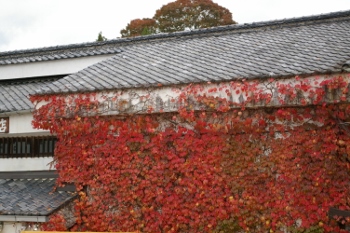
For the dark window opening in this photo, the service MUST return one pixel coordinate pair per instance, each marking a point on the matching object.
(27, 147)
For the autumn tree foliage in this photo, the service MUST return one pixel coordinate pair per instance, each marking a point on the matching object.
(274, 159)
(181, 15)
(191, 14)
(139, 27)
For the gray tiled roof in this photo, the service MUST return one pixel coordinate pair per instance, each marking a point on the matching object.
(30, 197)
(298, 46)
(14, 94)
(57, 53)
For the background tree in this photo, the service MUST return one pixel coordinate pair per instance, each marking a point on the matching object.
(100, 37)
(181, 15)
(191, 14)
(139, 27)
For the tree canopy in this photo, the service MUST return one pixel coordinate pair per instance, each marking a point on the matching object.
(180, 15)
(139, 27)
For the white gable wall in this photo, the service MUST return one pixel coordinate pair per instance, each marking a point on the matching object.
(25, 164)
(48, 68)
(21, 225)
(21, 126)
(20, 123)
(13, 227)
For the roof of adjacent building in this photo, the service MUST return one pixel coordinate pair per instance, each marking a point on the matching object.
(31, 197)
(299, 46)
(56, 53)
(14, 94)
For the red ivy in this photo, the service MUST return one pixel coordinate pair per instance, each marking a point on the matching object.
(262, 168)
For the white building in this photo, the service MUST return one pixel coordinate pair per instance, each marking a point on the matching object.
(27, 175)
(308, 47)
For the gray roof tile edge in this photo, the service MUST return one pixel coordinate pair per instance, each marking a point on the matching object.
(19, 92)
(46, 213)
(45, 91)
(30, 205)
(68, 200)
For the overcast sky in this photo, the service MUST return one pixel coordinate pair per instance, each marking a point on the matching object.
(26, 24)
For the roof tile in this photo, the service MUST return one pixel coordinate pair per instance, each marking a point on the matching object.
(31, 196)
(298, 46)
(14, 94)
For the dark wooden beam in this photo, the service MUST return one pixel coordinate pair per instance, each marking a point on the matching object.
(28, 174)
(339, 213)
(67, 187)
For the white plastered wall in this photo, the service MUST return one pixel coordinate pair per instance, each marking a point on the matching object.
(25, 164)
(21, 122)
(13, 227)
(48, 68)
(21, 126)
(21, 225)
